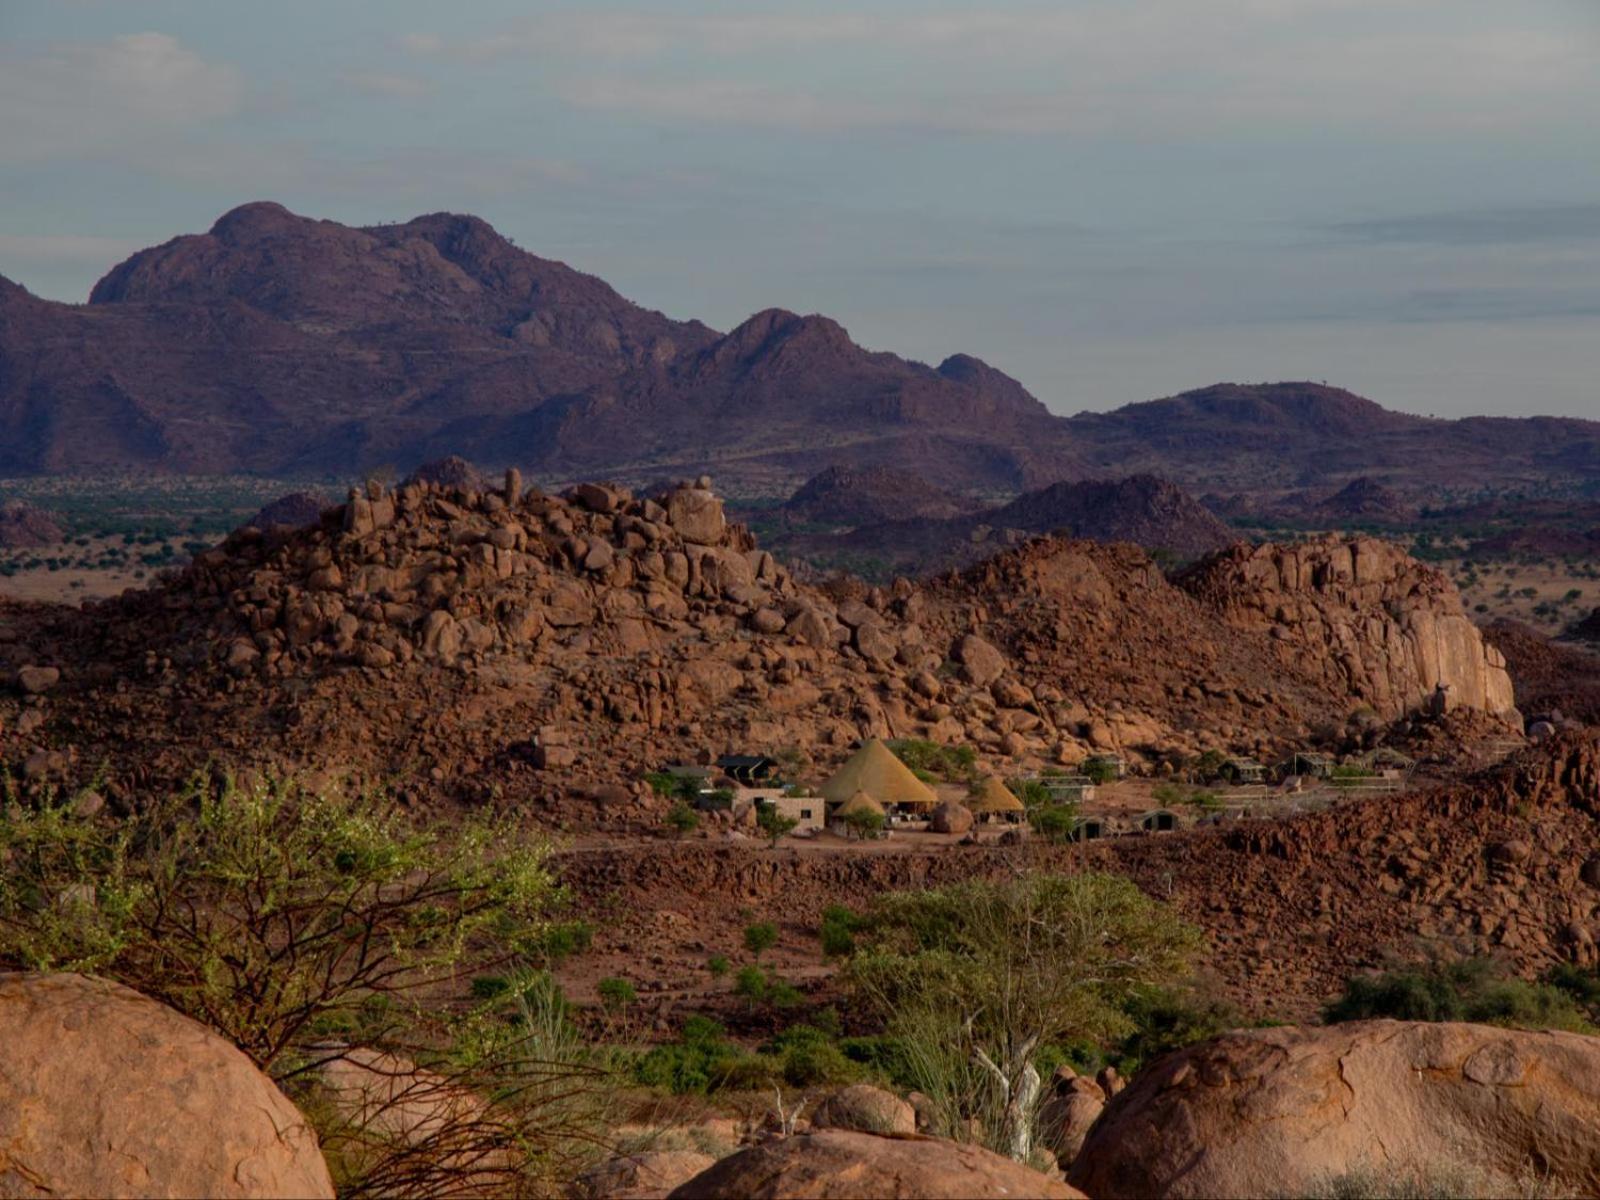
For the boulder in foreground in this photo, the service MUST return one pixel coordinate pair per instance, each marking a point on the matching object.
(834, 1164)
(1289, 1112)
(104, 1092)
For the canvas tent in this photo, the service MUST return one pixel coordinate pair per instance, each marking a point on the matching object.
(875, 770)
(994, 801)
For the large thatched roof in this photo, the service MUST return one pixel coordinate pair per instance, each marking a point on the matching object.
(994, 797)
(875, 770)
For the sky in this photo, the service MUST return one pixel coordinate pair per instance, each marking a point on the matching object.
(1111, 200)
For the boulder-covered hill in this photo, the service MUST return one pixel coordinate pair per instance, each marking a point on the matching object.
(275, 343)
(1142, 509)
(515, 643)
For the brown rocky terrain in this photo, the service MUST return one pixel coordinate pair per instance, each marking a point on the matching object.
(1143, 510)
(1505, 863)
(512, 641)
(1551, 678)
(22, 527)
(275, 343)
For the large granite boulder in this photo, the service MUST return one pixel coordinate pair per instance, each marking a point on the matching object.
(1289, 1112)
(104, 1092)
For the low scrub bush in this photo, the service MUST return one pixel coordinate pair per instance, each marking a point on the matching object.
(1470, 989)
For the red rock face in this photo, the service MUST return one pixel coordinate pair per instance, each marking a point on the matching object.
(1362, 614)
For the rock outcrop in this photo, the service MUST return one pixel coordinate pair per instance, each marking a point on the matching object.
(23, 527)
(642, 1176)
(1287, 1111)
(1363, 615)
(837, 1165)
(104, 1092)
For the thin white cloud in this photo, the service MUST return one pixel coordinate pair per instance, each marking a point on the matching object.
(1157, 68)
(78, 97)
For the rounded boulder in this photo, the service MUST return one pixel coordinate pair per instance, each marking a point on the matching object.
(104, 1092)
(865, 1109)
(1410, 1107)
(950, 817)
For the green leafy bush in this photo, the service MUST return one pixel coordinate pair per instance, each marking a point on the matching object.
(1469, 989)
(760, 937)
(682, 819)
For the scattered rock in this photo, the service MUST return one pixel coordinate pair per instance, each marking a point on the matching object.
(836, 1164)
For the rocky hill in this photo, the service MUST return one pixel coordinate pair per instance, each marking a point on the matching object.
(515, 642)
(849, 498)
(1143, 510)
(279, 344)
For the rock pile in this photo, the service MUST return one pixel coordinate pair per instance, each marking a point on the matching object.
(507, 638)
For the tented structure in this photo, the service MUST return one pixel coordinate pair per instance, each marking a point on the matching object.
(875, 770)
(994, 802)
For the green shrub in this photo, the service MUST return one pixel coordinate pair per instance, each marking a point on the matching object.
(864, 823)
(1470, 989)
(696, 1062)
(750, 984)
(838, 930)
(760, 937)
(1054, 822)
(270, 913)
(718, 965)
(682, 819)
(773, 823)
(930, 760)
(616, 994)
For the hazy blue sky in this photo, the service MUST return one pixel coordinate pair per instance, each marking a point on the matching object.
(1109, 199)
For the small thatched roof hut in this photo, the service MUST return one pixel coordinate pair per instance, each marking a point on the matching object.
(994, 799)
(860, 802)
(875, 770)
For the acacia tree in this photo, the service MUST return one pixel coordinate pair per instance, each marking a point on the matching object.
(978, 977)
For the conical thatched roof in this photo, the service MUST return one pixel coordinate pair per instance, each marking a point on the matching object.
(860, 802)
(995, 797)
(875, 770)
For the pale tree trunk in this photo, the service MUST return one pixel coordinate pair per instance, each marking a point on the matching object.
(1019, 1092)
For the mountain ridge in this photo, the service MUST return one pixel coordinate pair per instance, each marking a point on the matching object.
(280, 344)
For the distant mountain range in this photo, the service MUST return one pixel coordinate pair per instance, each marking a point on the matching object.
(283, 345)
